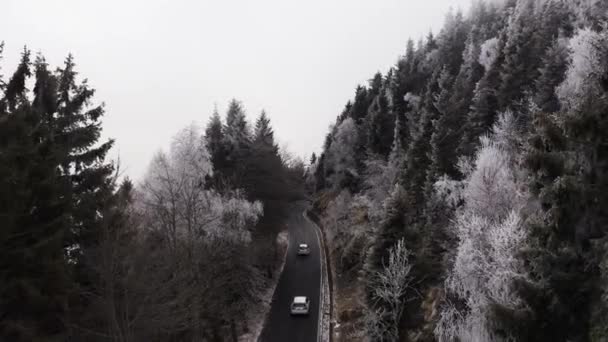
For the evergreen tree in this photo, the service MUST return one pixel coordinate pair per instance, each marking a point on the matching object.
(485, 103)
(521, 61)
(214, 141)
(381, 120)
(443, 152)
(53, 187)
(263, 136)
(360, 105)
(313, 159)
(451, 42)
(236, 143)
(552, 74)
(465, 81)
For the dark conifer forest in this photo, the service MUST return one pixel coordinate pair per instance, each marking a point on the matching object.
(462, 195)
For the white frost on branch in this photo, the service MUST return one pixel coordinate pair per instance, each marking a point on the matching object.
(389, 286)
(490, 234)
(341, 154)
(489, 53)
(584, 62)
(179, 205)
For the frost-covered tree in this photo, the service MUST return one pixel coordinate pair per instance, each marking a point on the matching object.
(389, 287)
(584, 62)
(341, 153)
(490, 233)
(189, 218)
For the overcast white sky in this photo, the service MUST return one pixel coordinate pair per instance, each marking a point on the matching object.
(161, 64)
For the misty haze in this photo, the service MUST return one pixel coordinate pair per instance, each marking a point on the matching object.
(304, 171)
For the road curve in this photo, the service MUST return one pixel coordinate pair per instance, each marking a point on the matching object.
(301, 277)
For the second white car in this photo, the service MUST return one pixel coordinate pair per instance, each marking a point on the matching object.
(300, 305)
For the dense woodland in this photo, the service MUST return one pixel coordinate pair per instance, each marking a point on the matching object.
(465, 191)
(87, 255)
(463, 194)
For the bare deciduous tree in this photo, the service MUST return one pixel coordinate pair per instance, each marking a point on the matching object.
(389, 286)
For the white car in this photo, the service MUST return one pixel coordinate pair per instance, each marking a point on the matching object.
(303, 249)
(300, 305)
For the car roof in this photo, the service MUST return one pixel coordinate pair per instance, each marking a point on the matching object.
(299, 299)
(303, 245)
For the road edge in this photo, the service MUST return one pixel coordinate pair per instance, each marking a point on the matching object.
(278, 273)
(325, 307)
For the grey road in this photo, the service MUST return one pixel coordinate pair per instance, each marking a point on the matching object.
(301, 277)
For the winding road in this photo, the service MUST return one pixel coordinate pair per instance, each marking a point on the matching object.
(301, 277)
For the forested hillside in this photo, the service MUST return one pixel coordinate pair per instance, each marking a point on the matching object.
(464, 193)
(88, 255)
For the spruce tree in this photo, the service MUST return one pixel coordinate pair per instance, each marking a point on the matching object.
(381, 120)
(263, 136)
(443, 152)
(53, 181)
(485, 104)
(236, 143)
(214, 141)
(465, 81)
(552, 73)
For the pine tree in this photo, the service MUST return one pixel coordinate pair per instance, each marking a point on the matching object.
(34, 277)
(265, 179)
(53, 177)
(313, 158)
(443, 152)
(381, 120)
(520, 63)
(263, 136)
(236, 143)
(418, 153)
(552, 74)
(214, 141)
(360, 105)
(465, 81)
(485, 103)
(451, 42)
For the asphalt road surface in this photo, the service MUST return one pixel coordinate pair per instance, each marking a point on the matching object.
(301, 277)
